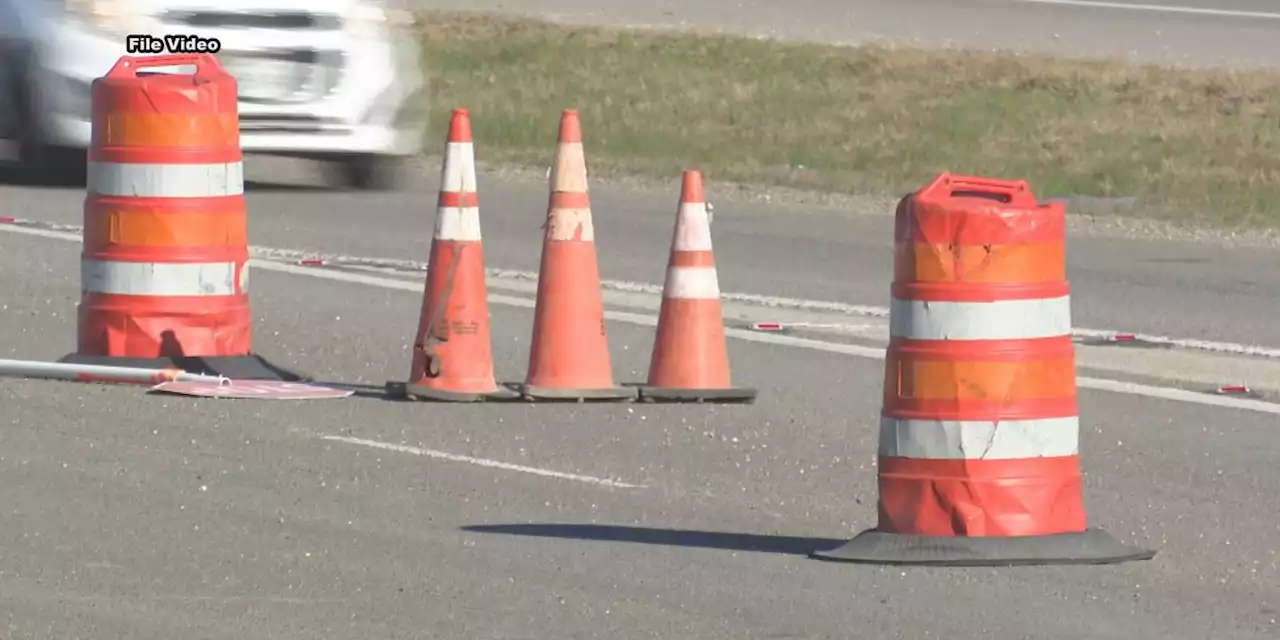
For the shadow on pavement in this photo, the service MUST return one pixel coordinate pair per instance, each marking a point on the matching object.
(259, 186)
(666, 537)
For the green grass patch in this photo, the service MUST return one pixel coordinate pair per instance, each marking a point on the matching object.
(1198, 146)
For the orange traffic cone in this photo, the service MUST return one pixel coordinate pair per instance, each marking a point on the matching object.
(690, 361)
(452, 354)
(569, 353)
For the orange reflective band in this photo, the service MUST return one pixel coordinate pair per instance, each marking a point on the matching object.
(155, 229)
(1003, 381)
(977, 264)
(167, 130)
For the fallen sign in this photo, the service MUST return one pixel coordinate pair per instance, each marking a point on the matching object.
(260, 389)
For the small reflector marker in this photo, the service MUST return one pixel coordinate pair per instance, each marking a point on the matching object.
(5, 219)
(1124, 337)
(1235, 388)
(767, 326)
(311, 263)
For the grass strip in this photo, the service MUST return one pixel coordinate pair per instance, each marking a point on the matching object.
(1197, 146)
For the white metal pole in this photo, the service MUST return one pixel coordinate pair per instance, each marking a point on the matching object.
(100, 373)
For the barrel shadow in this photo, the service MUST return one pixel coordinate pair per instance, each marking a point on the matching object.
(689, 538)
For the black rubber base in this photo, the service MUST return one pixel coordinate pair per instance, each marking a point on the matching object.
(545, 394)
(720, 396)
(1090, 547)
(404, 391)
(249, 367)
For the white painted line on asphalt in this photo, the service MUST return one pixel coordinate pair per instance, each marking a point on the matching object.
(64, 232)
(1097, 384)
(482, 462)
(821, 306)
(1158, 8)
(858, 351)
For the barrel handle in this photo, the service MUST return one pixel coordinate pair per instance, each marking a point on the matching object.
(950, 186)
(129, 65)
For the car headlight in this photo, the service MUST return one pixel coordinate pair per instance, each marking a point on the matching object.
(115, 18)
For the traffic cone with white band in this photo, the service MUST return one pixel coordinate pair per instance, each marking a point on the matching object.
(452, 350)
(690, 360)
(569, 352)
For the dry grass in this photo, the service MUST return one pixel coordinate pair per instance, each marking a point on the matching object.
(1197, 146)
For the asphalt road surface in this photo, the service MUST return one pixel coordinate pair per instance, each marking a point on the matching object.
(129, 515)
(1199, 32)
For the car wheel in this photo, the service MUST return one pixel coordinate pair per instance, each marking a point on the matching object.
(368, 172)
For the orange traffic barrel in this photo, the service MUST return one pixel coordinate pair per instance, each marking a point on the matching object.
(979, 431)
(164, 269)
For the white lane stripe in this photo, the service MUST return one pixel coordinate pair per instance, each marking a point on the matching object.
(972, 440)
(692, 283)
(158, 278)
(459, 171)
(166, 180)
(571, 224)
(482, 462)
(776, 302)
(1001, 320)
(857, 351)
(459, 224)
(1159, 8)
(693, 228)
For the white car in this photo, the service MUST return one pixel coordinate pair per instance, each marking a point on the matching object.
(332, 80)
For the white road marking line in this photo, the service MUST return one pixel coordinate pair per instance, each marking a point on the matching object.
(821, 306)
(858, 351)
(1097, 384)
(1158, 8)
(482, 462)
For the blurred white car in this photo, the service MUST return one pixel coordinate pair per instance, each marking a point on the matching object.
(331, 80)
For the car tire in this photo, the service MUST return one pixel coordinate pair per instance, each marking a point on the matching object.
(368, 172)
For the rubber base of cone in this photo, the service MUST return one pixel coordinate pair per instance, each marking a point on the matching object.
(404, 391)
(248, 367)
(1090, 547)
(545, 394)
(723, 396)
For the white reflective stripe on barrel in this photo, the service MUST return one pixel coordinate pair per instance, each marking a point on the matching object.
(979, 440)
(166, 180)
(158, 278)
(999, 320)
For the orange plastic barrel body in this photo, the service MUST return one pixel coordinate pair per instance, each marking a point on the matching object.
(164, 267)
(979, 428)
